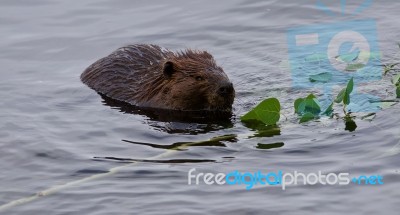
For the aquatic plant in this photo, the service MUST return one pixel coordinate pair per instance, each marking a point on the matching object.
(308, 108)
(268, 112)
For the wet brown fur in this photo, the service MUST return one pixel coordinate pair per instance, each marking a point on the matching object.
(151, 76)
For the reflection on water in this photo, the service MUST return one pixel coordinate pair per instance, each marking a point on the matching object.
(216, 141)
(171, 161)
(262, 130)
(269, 145)
(350, 124)
(191, 122)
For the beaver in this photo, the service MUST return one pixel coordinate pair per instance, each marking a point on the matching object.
(151, 76)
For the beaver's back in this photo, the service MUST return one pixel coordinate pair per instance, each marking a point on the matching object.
(120, 75)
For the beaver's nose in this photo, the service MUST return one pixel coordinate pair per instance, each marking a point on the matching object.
(225, 89)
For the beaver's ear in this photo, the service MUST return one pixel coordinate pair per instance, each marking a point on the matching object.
(168, 69)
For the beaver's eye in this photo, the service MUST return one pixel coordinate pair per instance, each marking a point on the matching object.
(199, 78)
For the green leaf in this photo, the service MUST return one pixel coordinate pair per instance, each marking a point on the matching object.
(344, 94)
(311, 96)
(315, 58)
(350, 86)
(310, 104)
(346, 99)
(268, 112)
(297, 104)
(329, 110)
(398, 91)
(340, 96)
(354, 67)
(396, 79)
(313, 106)
(307, 117)
(321, 77)
(349, 89)
(350, 57)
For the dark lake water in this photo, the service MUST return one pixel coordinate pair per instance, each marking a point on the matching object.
(52, 127)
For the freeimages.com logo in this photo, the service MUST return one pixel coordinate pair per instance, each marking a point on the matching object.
(337, 51)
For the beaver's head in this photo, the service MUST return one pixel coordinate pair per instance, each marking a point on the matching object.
(193, 81)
